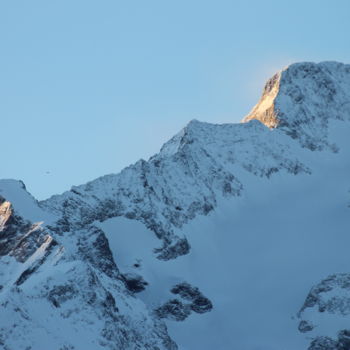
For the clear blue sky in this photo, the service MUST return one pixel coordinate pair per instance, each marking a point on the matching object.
(88, 87)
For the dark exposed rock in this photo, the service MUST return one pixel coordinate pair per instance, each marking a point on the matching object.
(333, 304)
(201, 305)
(50, 244)
(323, 343)
(25, 275)
(168, 252)
(305, 326)
(198, 302)
(109, 302)
(344, 340)
(21, 239)
(326, 343)
(29, 243)
(135, 283)
(331, 295)
(60, 294)
(192, 300)
(174, 309)
(186, 291)
(94, 239)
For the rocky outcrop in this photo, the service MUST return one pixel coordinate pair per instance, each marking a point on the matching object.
(190, 299)
(50, 286)
(302, 99)
(332, 295)
(192, 171)
(326, 305)
(19, 237)
(342, 342)
(134, 282)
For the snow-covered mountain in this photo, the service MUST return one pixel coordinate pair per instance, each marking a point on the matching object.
(233, 236)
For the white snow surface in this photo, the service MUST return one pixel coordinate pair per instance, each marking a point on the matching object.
(255, 256)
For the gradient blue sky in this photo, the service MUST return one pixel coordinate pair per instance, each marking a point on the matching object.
(88, 87)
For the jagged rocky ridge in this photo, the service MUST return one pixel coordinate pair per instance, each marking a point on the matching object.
(302, 99)
(67, 293)
(180, 182)
(63, 269)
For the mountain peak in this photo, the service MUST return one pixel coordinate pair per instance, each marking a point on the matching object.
(302, 98)
(15, 192)
(184, 136)
(222, 210)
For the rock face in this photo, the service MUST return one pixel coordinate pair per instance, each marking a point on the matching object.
(325, 343)
(62, 286)
(20, 238)
(331, 295)
(190, 299)
(302, 99)
(67, 293)
(184, 180)
(326, 302)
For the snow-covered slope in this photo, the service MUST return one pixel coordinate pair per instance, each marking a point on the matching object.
(213, 243)
(185, 179)
(65, 292)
